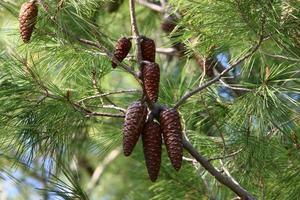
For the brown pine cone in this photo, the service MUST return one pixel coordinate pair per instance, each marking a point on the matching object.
(122, 49)
(148, 49)
(167, 26)
(152, 148)
(151, 76)
(134, 121)
(169, 23)
(27, 20)
(206, 64)
(113, 6)
(172, 133)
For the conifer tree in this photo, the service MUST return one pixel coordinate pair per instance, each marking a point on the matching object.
(216, 82)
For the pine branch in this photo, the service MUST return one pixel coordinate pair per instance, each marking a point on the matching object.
(233, 87)
(168, 51)
(225, 180)
(109, 54)
(98, 90)
(218, 77)
(48, 94)
(90, 113)
(225, 156)
(136, 35)
(109, 93)
(98, 172)
(135, 31)
(152, 6)
(91, 43)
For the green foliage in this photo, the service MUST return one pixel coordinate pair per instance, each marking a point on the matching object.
(48, 107)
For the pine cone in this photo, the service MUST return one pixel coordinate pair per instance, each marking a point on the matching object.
(167, 26)
(169, 23)
(134, 121)
(27, 20)
(113, 6)
(148, 49)
(151, 76)
(206, 64)
(172, 133)
(122, 49)
(152, 148)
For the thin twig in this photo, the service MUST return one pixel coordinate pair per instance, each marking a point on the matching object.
(225, 156)
(114, 107)
(233, 87)
(135, 31)
(227, 181)
(225, 170)
(136, 36)
(215, 79)
(281, 57)
(101, 168)
(152, 6)
(108, 54)
(98, 114)
(95, 84)
(188, 159)
(163, 3)
(90, 43)
(98, 90)
(168, 51)
(109, 93)
(90, 113)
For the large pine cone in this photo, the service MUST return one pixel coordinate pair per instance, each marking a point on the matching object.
(151, 77)
(152, 148)
(27, 20)
(148, 49)
(122, 49)
(172, 133)
(134, 121)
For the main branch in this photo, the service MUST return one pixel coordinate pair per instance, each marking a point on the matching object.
(225, 180)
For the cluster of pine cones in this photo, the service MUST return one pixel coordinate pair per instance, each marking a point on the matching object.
(138, 121)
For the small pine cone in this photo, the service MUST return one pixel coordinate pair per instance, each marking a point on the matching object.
(122, 49)
(152, 148)
(151, 77)
(113, 6)
(206, 64)
(167, 26)
(27, 19)
(134, 121)
(181, 48)
(148, 49)
(172, 133)
(169, 23)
